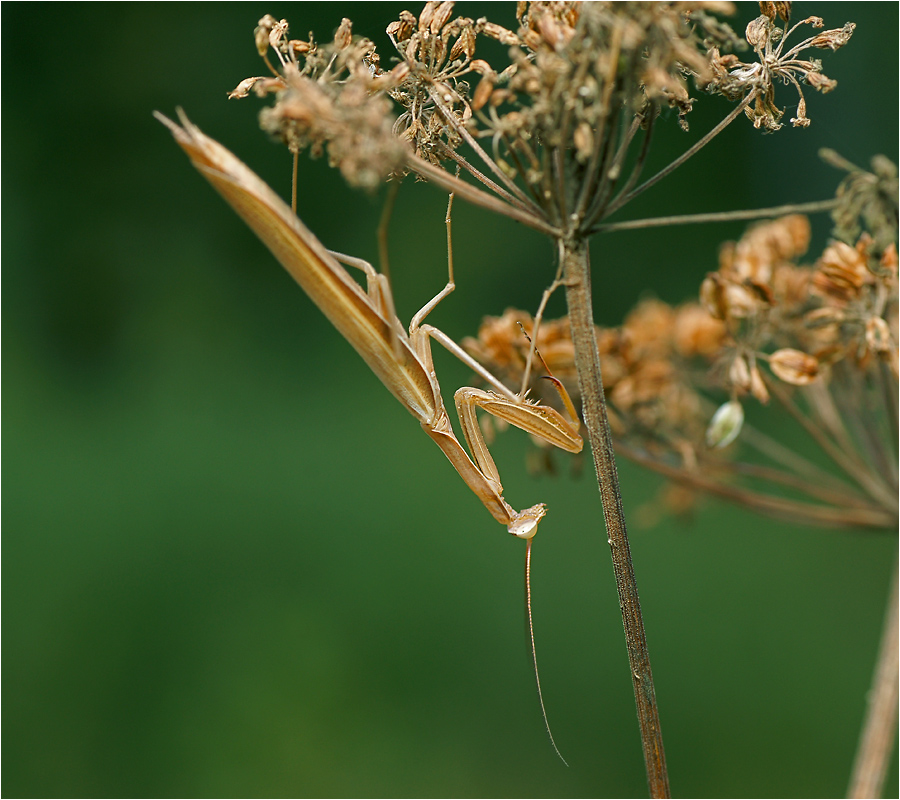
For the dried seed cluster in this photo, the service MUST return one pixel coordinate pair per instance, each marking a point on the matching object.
(553, 123)
(776, 62)
(821, 339)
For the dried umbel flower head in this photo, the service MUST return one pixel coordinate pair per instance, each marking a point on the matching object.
(866, 199)
(554, 123)
(328, 96)
(816, 342)
(776, 62)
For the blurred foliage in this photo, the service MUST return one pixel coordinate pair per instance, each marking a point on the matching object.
(234, 566)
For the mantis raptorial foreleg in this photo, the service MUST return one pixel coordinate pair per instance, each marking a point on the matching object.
(401, 361)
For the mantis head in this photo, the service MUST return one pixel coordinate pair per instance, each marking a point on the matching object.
(524, 524)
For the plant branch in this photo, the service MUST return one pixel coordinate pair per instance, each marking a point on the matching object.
(877, 738)
(781, 508)
(717, 216)
(480, 176)
(476, 196)
(622, 199)
(587, 360)
(457, 126)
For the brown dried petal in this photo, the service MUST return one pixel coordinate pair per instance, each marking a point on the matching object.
(464, 45)
(483, 91)
(343, 35)
(441, 15)
(500, 33)
(794, 366)
(758, 31)
(835, 38)
(878, 335)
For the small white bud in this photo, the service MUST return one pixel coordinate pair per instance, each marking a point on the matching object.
(725, 425)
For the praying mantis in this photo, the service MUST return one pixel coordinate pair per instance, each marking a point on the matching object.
(401, 359)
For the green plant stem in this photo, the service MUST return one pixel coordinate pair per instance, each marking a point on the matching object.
(576, 261)
(877, 738)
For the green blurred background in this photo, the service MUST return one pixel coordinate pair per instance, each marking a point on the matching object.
(233, 565)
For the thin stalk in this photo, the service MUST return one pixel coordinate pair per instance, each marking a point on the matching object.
(482, 178)
(587, 360)
(872, 519)
(773, 475)
(846, 459)
(877, 739)
(457, 126)
(476, 196)
(598, 206)
(773, 449)
(622, 199)
(717, 216)
(636, 169)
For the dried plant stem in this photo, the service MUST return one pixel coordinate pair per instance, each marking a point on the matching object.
(476, 196)
(869, 518)
(877, 739)
(813, 207)
(576, 263)
(693, 150)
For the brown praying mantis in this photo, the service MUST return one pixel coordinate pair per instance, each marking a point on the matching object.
(402, 360)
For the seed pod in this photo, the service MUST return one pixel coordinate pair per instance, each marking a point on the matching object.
(794, 366)
(758, 386)
(427, 14)
(464, 45)
(739, 374)
(878, 334)
(261, 33)
(835, 38)
(726, 424)
(499, 33)
(583, 138)
(402, 28)
(441, 15)
(483, 90)
(758, 31)
(343, 35)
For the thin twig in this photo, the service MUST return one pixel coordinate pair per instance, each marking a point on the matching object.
(459, 128)
(478, 197)
(587, 361)
(622, 199)
(877, 739)
(847, 460)
(717, 216)
(870, 519)
(482, 178)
